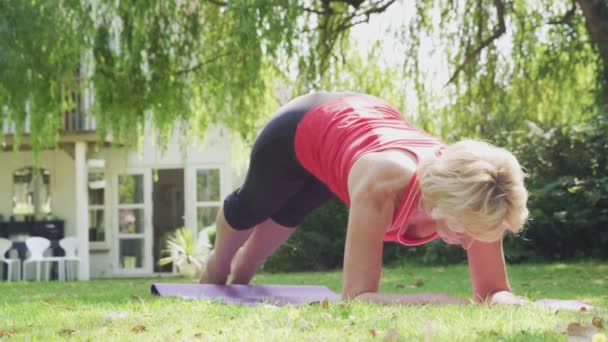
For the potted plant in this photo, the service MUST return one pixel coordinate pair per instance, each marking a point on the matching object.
(185, 252)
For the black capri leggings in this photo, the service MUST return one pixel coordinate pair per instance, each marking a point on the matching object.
(276, 185)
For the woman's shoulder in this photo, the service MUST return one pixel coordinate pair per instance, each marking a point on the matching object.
(386, 172)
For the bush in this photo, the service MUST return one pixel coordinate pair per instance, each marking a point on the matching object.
(568, 184)
(317, 244)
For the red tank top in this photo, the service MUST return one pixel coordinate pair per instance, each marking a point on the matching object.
(335, 133)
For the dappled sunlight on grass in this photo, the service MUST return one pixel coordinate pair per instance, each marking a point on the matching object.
(123, 309)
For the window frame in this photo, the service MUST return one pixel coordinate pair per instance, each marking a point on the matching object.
(105, 244)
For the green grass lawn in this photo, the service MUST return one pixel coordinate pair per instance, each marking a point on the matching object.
(84, 310)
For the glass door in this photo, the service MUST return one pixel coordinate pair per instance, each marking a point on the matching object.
(133, 230)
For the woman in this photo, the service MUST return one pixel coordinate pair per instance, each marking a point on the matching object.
(400, 184)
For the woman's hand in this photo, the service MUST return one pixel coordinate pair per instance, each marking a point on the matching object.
(506, 298)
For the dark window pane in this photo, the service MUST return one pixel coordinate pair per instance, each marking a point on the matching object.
(131, 253)
(130, 189)
(97, 228)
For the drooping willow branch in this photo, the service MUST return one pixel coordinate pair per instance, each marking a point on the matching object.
(499, 30)
(203, 63)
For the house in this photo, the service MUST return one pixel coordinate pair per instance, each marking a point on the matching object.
(119, 204)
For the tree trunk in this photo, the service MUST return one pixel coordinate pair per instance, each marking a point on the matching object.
(596, 20)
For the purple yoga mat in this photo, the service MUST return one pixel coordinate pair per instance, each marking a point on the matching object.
(247, 294)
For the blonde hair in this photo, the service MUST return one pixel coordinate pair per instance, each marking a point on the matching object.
(477, 188)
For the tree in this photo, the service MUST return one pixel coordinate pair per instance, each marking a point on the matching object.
(216, 61)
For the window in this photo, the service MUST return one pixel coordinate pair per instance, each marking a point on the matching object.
(31, 192)
(208, 198)
(97, 222)
(131, 221)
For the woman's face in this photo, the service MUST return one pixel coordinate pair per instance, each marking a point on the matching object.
(452, 237)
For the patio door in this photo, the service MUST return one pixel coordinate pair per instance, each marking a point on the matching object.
(133, 245)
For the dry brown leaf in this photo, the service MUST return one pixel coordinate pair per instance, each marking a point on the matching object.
(598, 322)
(400, 286)
(68, 332)
(419, 282)
(138, 328)
(325, 303)
(4, 333)
(391, 336)
(576, 329)
(583, 309)
(372, 332)
(199, 335)
(136, 297)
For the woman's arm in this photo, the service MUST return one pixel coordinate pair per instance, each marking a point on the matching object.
(369, 214)
(489, 274)
(373, 186)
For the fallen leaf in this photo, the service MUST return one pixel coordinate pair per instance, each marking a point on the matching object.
(576, 329)
(68, 332)
(400, 286)
(325, 303)
(138, 328)
(598, 322)
(419, 282)
(199, 335)
(391, 335)
(583, 309)
(6, 333)
(136, 297)
(372, 332)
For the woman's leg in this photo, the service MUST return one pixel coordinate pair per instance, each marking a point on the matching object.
(227, 242)
(273, 177)
(272, 233)
(266, 238)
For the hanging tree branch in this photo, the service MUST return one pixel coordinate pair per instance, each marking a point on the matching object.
(203, 63)
(219, 2)
(499, 30)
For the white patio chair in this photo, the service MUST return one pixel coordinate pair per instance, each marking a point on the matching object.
(69, 246)
(5, 245)
(37, 246)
